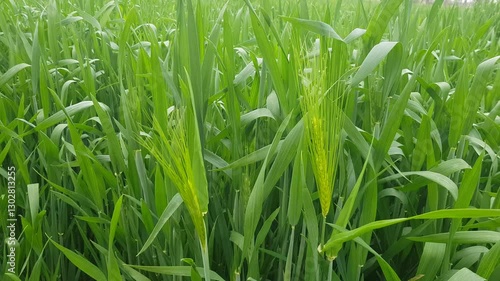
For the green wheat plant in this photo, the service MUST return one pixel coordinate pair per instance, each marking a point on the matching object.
(174, 157)
(250, 140)
(324, 120)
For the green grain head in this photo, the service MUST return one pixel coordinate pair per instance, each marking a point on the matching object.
(323, 130)
(172, 153)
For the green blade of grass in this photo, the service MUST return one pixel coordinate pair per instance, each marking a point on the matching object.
(460, 237)
(431, 259)
(439, 214)
(489, 262)
(81, 262)
(466, 274)
(113, 269)
(5, 77)
(318, 27)
(172, 206)
(438, 178)
(33, 196)
(177, 271)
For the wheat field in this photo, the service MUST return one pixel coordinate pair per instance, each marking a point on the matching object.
(249, 140)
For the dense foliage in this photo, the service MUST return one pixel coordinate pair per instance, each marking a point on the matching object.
(250, 140)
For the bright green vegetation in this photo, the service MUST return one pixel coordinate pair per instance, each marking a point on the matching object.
(251, 140)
